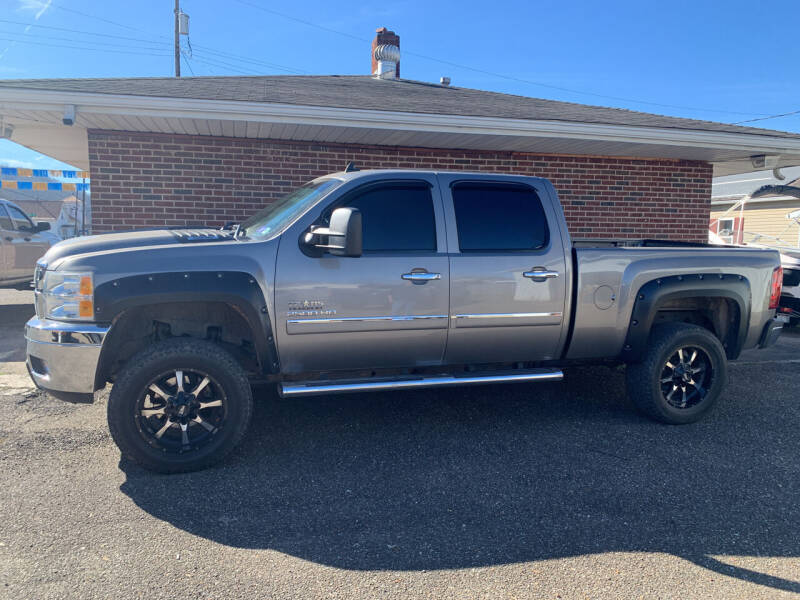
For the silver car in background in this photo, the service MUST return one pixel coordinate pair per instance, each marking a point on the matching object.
(22, 243)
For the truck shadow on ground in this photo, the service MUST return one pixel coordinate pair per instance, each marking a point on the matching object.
(503, 474)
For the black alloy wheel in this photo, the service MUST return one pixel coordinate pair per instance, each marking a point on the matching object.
(687, 377)
(180, 411)
(179, 405)
(681, 375)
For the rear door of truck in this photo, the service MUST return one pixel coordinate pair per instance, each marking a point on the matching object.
(509, 274)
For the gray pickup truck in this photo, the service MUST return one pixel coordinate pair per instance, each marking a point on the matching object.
(382, 280)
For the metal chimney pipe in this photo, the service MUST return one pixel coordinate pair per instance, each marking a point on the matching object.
(387, 57)
(383, 37)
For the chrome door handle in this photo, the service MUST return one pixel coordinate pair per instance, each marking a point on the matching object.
(423, 276)
(540, 275)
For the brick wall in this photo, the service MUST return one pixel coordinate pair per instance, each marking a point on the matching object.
(156, 180)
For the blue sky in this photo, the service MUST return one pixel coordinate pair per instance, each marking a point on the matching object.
(722, 61)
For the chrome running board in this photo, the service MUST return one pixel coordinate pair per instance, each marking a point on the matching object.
(314, 388)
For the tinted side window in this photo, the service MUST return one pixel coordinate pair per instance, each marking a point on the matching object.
(499, 217)
(5, 220)
(21, 220)
(397, 218)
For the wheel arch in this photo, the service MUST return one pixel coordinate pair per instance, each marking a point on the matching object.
(188, 304)
(718, 302)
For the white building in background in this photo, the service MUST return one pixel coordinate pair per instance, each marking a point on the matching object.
(772, 220)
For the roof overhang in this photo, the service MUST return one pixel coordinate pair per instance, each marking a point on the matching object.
(36, 116)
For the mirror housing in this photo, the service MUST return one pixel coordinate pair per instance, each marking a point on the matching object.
(342, 237)
(42, 226)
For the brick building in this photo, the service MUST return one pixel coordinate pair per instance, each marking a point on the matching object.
(206, 150)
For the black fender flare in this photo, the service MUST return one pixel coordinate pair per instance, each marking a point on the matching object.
(655, 293)
(237, 289)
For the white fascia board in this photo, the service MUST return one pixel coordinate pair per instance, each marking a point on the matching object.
(753, 200)
(152, 106)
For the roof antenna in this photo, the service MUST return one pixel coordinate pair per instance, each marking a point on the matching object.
(351, 166)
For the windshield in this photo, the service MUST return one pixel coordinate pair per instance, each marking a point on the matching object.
(270, 219)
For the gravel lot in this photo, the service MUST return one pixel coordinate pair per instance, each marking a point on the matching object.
(551, 491)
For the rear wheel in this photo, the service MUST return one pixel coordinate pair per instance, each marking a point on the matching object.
(682, 375)
(179, 405)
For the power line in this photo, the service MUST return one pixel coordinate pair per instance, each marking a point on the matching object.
(165, 43)
(186, 60)
(108, 35)
(249, 60)
(224, 65)
(39, 26)
(788, 114)
(490, 73)
(165, 39)
(37, 43)
(24, 36)
(95, 17)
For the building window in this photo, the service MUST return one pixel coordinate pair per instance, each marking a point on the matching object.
(726, 230)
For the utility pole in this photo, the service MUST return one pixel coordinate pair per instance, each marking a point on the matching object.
(83, 209)
(177, 40)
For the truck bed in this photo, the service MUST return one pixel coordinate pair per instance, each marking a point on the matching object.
(609, 273)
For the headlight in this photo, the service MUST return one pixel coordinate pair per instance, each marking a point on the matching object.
(38, 274)
(68, 296)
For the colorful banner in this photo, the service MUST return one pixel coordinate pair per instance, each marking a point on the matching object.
(42, 186)
(18, 172)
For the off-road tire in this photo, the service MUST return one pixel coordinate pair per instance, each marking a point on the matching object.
(644, 379)
(179, 353)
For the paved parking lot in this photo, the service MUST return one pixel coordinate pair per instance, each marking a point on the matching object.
(551, 491)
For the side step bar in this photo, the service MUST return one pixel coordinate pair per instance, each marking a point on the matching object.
(314, 388)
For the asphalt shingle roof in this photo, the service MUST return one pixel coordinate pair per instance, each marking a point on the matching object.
(353, 91)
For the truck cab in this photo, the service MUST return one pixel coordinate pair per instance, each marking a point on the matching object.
(382, 280)
(438, 273)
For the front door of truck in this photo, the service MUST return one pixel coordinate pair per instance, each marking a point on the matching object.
(508, 276)
(386, 308)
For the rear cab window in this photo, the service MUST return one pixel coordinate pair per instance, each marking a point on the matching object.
(499, 217)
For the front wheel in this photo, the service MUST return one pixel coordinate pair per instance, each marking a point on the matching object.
(179, 405)
(681, 376)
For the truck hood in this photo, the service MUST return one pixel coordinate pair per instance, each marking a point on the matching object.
(132, 239)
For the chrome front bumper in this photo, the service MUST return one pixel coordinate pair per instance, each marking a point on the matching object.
(63, 357)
